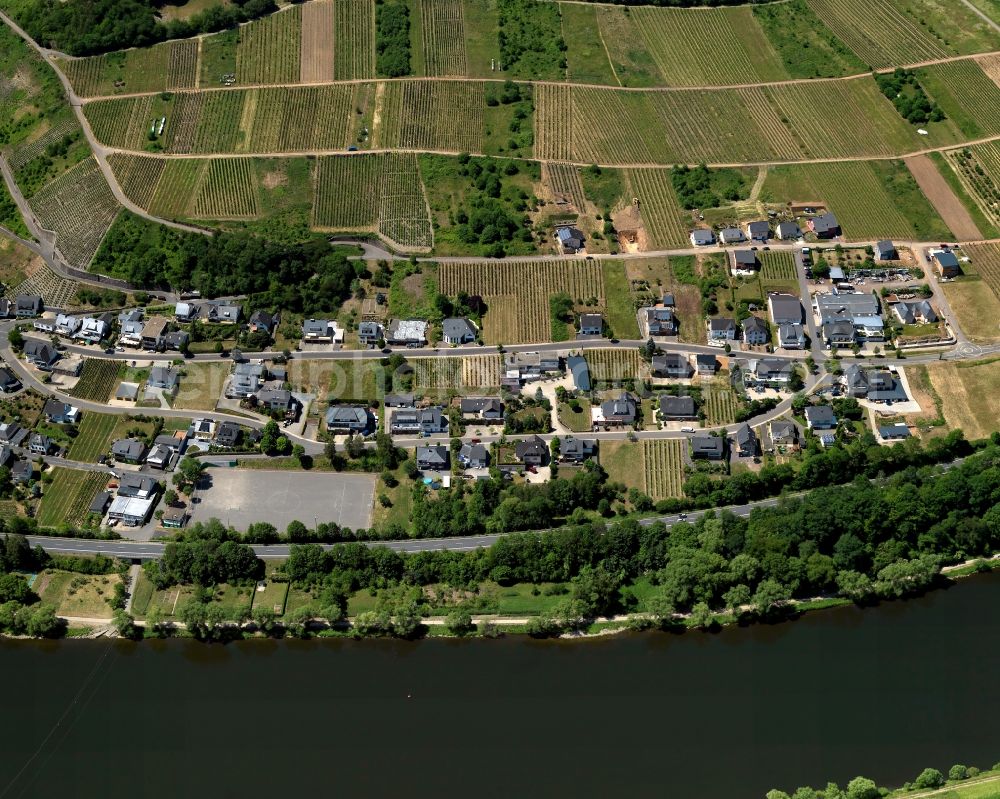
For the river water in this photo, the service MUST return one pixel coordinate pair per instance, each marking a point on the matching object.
(882, 692)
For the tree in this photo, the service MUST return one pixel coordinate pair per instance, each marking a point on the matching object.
(298, 452)
(269, 438)
(355, 446)
(769, 595)
(736, 597)
(459, 622)
(170, 496)
(958, 772)
(124, 624)
(264, 620)
(929, 778)
(42, 622)
(16, 339)
(862, 788)
(282, 446)
(701, 615)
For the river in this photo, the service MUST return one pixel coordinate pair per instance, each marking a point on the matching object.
(882, 692)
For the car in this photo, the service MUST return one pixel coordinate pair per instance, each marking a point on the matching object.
(109, 351)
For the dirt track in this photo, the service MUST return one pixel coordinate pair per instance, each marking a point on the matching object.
(944, 200)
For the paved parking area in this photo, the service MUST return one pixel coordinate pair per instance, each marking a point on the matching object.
(239, 497)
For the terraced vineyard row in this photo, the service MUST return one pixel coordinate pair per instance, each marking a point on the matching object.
(404, 217)
(137, 175)
(317, 59)
(347, 192)
(22, 154)
(615, 365)
(177, 187)
(581, 281)
(443, 36)
(228, 191)
(721, 402)
(68, 497)
(564, 182)
(97, 380)
(163, 67)
(434, 116)
(978, 170)
(778, 266)
(554, 114)
(663, 468)
(79, 207)
(55, 291)
(662, 216)
(517, 319)
(986, 260)
(436, 373)
(354, 39)
(269, 49)
(482, 371)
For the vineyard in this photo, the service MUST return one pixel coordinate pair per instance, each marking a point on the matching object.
(482, 371)
(79, 207)
(317, 58)
(347, 192)
(269, 49)
(986, 260)
(121, 123)
(163, 67)
(878, 32)
(563, 181)
(425, 115)
(354, 40)
(137, 175)
(777, 271)
(228, 191)
(662, 216)
(404, 217)
(443, 37)
(23, 153)
(554, 122)
(436, 373)
(98, 379)
(968, 97)
(663, 468)
(67, 499)
(94, 440)
(978, 170)
(615, 365)
(517, 293)
(721, 402)
(177, 186)
(40, 280)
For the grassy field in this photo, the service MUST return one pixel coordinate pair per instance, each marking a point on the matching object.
(969, 99)
(968, 399)
(96, 430)
(621, 460)
(344, 380)
(578, 422)
(98, 379)
(808, 48)
(201, 386)
(400, 503)
(272, 598)
(977, 308)
(68, 497)
(78, 594)
(620, 313)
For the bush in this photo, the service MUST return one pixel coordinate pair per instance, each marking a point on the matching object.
(929, 778)
(958, 772)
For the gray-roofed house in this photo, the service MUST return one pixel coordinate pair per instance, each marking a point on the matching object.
(176, 340)
(759, 230)
(474, 456)
(755, 331)
(677, 408)
(788, 231)
(885, 251)
(591, 324)
(418, 420)
(745, 440)
(28, 305)
(486, 408)
(820, 417)
(773, 371)
(580, 370)
(916, 312)
(894, 432)
(783, 433)
(706, 364)
(700, 237)
(667, 301)
(825, 226)
(12, 434)
(185, 311)
(159, 457)
(40, 445)
(8, 381)
(60, 412)
(128, 450)
(22, 471)
(618, 411)
(577, 450)
(661, 322)
(731, 235)
(347, 418)
(7, 308)
(670, 364)
(434, 457)
(222, 312)
(792, 337)
(785, 308)
(407, 331)
(262, 322)
(532, 451)
(458, 330)
(398, 400)
(745, 262)
(100, 503)
(711, 448)
(228, 435)
(163, 377)
(153, 332)
(274, 396)
(127, 392)
(317, 330)
(369, 333)
(570, 239)
(40, 354)
(530, 365)
(247, 379)
(140, 486)
(947, 264)
(722, 329)
(838, 333)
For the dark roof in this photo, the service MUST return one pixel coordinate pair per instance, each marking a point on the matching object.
(820, 413)
(759, 228)
(708, 445)
(474, 453)
(621, 407)
(754, 323)
(677, 406)
(577, 366)
(530, 446)
(947, 259)
(457, 327)
(744, 258)
(824, 223)
(434, 454)
(572, 447)
(706, 361)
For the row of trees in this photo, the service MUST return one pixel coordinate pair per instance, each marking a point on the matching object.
(864, 788)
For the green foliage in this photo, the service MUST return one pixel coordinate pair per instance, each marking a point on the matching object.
(392, 38)
(808, 48)
(929, 778)
(908, 96)
(531, 42)
(701, 187)
(10, 216)
(603, 187)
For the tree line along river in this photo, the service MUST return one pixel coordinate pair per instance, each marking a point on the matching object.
(882, 692)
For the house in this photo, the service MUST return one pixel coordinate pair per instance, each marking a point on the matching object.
(744, 262)
(173, 442)
(228, 435)
(894, 432)
(667, 301)
(8, 382)
(792, 337)
(661, 322)
(820, 417)
(711, 448)
(411, 332)
(947, 265)
(274, 396)
(885, 251)
(136, 485)
(783, 433)
(220, 312)
(580, 370)
(458, 330)
(755, 331)
(577, 450)
(262, 322)
(247, 379)
(526, 366)
(100, 504)
(67, 325)
(570, 239)
(486, 408)
(40, 354)
(876, 385)
(127, 392)
(6, 308)
(670, 364)
(369, 333)
(6, 454)
(128, 450)
(419, 420)
(532, 451)
(131, 511)
(47, 324)
(40, 445)
(60, 413)
(152, 333)
(838, 333)
(434, 457)
(825, 226)
(591, 324)
(474, 456)
(788, 231)
(837, 274)
(28, 305)
(159, 457)
(12, 434)
(759, 230)
(202, 430)
(917, 312)
(317, 331)
(347, 419)
(721, 330)
(22, 471)
(176, 340)
(163, 377)
(785, 308)
(185, 312)
(746, 441)
(706, 364)
(93, 330)
(772, 371)
(702, 238)
(130, 332)
(616, 412)
(173, 518)
(731, 235)
(860, 309)
(398, 401)
(673, 408)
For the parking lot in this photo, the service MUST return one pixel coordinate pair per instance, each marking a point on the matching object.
(239, 497)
